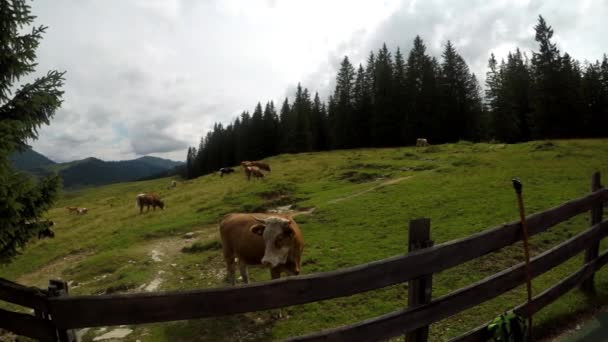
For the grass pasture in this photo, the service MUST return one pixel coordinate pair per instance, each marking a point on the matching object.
(362, 199)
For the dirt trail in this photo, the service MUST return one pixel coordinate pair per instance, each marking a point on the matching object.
(383, 184)
(52, 270)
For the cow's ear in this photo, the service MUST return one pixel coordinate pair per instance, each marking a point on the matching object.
(288, 232)
(257, 229)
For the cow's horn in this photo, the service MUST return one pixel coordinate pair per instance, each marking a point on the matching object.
(259, 219)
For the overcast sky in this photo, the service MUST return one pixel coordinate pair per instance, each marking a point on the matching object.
(150, 77)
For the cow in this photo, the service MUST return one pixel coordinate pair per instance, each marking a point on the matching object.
(72, 209)
(261, 165)
(46, 232)
(253, 171)
(82, 211)
(272, 240)
(226, 170)
(173, 184)
(422, 142)
(147, 200)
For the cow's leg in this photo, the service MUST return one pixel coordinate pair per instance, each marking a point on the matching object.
(230, 266)
(244, 272)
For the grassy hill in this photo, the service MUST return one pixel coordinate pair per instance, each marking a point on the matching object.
(363, 201)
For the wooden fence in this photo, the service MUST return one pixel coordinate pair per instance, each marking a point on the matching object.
(56, 312)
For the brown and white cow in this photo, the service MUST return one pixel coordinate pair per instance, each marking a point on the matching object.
(272, 240)
(72, 209)
(253, 171)
(422, 142)
(147, 200)
(261, 165)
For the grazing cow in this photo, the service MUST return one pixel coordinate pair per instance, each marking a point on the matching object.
(422, 142)
(46, 232)
(226, 170)
(72, 209)
(261, 165)
(148, 200)
(253, 171)
(272, 240)
(173, 184)
(82, 211)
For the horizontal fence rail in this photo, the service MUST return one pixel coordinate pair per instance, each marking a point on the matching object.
(89, 311)
(399, 322)
(481, 333)
(29, 297)
(27, 325)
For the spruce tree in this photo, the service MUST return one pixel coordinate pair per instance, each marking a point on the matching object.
(385, 128)
(343, 125)
(421, 83)
(546, 65)
(301, 111)
(399, 97)
(22, 201)
(362, 109)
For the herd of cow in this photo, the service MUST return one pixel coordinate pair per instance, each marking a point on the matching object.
(272, 240)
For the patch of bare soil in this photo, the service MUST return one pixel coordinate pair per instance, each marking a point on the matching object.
(383, 184)
(52, 270)
(289, 210)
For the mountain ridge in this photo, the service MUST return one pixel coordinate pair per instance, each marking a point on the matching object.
(93, 171)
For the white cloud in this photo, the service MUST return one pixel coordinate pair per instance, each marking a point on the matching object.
(152, 76)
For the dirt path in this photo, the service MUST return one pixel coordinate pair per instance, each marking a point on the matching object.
(383, 184)
(52, 270)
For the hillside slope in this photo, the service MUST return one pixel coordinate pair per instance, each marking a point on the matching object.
(362, 200)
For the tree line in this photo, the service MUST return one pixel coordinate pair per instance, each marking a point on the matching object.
(393, 100)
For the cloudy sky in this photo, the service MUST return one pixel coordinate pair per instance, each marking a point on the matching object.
(150, 77)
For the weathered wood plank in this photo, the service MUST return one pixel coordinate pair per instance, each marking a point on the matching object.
(29, 297)
(480, 334)
(398, 322)
(85, 311)
(27, 325)
(595, 217)
(419, 290)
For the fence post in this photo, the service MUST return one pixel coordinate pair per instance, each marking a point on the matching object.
(60, 288)
(592, 252)
(419, 290)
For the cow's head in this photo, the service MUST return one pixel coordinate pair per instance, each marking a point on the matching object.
(278, 238)
(161, 204)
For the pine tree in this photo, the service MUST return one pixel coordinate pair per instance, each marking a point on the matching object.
(385, 131)
(287, 128)
(301, 111)
(256, 140)
(270, 135)
(343, 125)
(421, 83)
(362, 109)
(22, 202)
(546, 67)
(318, 124)
(399, 97)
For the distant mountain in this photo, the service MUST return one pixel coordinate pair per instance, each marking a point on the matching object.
(29, 159)
(92, 171)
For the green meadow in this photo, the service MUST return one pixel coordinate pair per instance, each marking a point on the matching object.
(363, 200)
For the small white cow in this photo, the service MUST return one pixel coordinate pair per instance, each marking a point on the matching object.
(422, 142)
